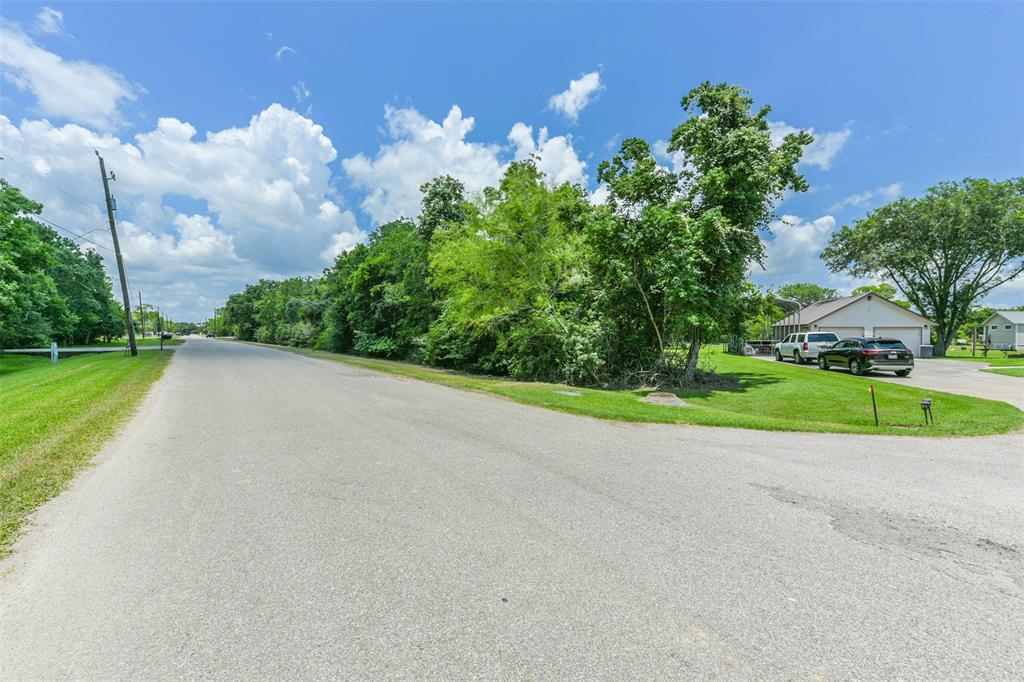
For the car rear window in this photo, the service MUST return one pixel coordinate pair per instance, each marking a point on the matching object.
(823, 337)
(891, 344)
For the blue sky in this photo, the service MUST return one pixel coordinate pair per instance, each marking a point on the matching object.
(259, 139)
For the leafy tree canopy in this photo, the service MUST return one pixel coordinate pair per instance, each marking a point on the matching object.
(944, 251)
(806, 293)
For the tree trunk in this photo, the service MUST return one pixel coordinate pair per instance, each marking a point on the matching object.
(693, 355)
(942, 341)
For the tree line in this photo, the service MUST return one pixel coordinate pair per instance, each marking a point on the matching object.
(50, 289)
(536, 282)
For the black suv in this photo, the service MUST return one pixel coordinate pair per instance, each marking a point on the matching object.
(863, 355)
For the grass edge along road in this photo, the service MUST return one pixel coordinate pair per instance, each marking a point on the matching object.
(53, 419)
(1006, 371)
(815, 401)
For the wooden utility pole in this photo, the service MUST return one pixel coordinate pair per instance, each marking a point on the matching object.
(142, 317)
(117, 255)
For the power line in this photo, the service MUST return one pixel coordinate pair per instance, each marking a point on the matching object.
(8, 157)
(71, 232)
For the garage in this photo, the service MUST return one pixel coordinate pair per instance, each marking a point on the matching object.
(910, 336)
(844, 332)
(866, 314)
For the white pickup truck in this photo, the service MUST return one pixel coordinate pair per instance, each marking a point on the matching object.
(804, 346)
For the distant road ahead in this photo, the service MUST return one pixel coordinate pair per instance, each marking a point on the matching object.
(271, 516)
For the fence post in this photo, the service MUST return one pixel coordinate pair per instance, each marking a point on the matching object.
(54, 355)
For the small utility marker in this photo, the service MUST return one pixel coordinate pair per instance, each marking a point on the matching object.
(874, 405)
(926, 407)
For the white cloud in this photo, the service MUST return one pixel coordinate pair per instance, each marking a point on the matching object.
(302, 94)
(50, 21)
(283, 51)
(820, 152)
(885, 193)
(265, 187)
(84, 92)
(419, 149)
(555, 156)
(581, 92)
(793, 255)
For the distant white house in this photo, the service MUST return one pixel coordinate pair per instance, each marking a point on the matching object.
(863, 315)
(1004, 329)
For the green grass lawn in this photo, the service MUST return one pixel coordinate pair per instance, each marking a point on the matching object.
(995, 358)
(54, 418)
(1008, 371)
(770, 396)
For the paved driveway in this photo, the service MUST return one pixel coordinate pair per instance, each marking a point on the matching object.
(952, 376)
(272, 516)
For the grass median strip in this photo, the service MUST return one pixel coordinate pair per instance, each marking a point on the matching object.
(54, 418)
(767, 396)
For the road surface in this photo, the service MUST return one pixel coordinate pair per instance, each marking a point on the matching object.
(272, 516)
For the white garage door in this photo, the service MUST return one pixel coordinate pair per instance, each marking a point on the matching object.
(844, 332)
(910, 336)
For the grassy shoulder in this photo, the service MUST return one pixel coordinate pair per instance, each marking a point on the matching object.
(995, 358)
(1008, 371)
(53, 419)
(769, 396)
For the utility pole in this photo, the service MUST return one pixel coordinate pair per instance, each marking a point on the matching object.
(117, 255)
(142, 317)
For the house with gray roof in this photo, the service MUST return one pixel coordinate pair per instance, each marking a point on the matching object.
(863, 315)
(1004, 329)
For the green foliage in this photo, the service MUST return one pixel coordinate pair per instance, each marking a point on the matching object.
(444, 206)
(49, 288)
(390, 306)
(533, 282)
(806, 293)
(513, 281)
(884, 290)
(944, 251)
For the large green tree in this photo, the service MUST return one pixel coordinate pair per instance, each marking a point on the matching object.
(32, 310)
(806, 293)
(886, 291)
(733, 175)
(944, 250)
(643, 258)
(513, 273)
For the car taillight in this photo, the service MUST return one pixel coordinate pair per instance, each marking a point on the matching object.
(805, 345)
(872, 351)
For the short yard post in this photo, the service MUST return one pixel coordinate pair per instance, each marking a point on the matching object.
(874, 405)
(54, 355)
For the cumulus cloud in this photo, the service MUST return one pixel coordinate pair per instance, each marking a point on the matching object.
(793, 254)
(419, 149)
(581, 92)
(49, 21)
(885, 193)
(283, 52)
(819, 153)
(555, 156)
(266, 188)
(81, 91)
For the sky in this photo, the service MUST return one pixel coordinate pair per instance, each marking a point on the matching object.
(255, 140)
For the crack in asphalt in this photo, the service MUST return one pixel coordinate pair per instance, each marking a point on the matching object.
(1000, 566)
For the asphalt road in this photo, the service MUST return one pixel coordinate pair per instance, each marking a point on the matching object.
(271, 516)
